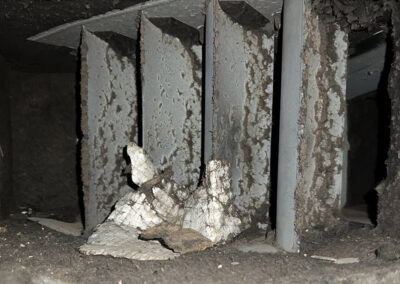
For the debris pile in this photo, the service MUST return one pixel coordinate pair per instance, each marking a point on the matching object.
(163, 210)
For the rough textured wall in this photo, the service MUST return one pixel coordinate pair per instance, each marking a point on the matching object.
(389, 192)
(242, 120)
(322, 124)
(5, 142)
(109, 120)
(43, 116)
(171, 59)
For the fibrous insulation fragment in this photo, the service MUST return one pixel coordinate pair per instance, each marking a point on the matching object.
(141, 166)
(209, 210)
(161, 203)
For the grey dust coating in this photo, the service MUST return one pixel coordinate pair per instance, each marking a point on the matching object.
(171, 60)
(109, 120)
(322, 125)
(312, 126)
(242, 104)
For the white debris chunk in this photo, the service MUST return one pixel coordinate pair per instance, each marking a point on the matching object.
(262, 226)
(210, 209)
(150, 207)
(142, 168)
(135, 211)
(122, 241)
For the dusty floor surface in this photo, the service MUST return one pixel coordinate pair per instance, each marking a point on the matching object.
(30, 252)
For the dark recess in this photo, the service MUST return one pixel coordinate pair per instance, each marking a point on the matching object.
(79, 136)
(276, 106)
(369, 139)
(202, 39)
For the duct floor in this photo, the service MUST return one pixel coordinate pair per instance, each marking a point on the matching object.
(28, 251)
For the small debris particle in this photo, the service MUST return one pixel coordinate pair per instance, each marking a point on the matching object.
(345, 260)
(262, 226)
(219, 266)
(323, 258)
